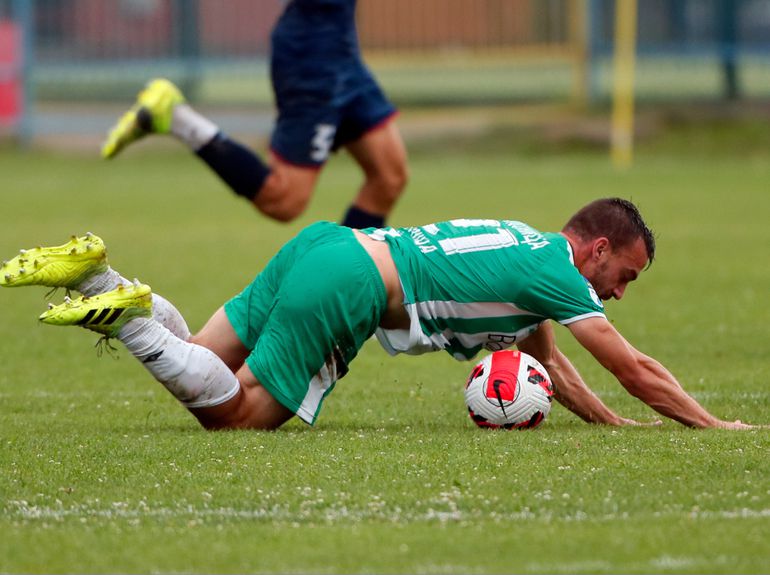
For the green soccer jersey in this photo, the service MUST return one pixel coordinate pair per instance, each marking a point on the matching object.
(470, 284)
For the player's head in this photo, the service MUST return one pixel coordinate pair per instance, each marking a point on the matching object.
(615, 244)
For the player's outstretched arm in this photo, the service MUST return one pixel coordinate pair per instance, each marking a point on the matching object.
(571, 390)
(642, 376)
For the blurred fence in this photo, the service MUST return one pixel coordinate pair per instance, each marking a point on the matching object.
(425, 52)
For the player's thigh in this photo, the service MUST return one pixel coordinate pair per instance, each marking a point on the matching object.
(367, 127)
(219, 336)
(381, 151)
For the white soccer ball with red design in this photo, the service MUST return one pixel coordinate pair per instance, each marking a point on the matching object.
(509, 390)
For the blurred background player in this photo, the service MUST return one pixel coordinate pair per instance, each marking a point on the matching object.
(326, 98)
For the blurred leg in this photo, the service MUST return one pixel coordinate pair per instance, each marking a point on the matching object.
(382, 156)
(281, 191)
(287, 190)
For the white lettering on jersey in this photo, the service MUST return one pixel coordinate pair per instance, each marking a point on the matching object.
(421, 240)
(531, 237)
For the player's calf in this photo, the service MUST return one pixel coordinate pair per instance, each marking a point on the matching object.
(252, 408)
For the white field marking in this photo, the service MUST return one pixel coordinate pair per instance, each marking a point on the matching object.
(113, 394)
(593, 566)
(437, 568)
(669, 562)
(319, 510)
(654, 565)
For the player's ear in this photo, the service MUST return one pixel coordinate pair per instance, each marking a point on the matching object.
(600, 247)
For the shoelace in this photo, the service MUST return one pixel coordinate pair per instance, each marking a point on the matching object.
(103, 346)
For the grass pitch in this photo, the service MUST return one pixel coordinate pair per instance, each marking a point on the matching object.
(101, 470)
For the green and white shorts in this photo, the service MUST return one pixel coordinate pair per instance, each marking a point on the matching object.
(306, 315)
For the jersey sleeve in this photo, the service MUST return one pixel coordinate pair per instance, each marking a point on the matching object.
(562, 294)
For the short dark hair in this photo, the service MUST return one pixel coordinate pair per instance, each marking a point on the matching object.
(614, 218)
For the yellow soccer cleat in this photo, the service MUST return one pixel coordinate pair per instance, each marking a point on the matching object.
(105, 313)
(58, 266)
(151, 114)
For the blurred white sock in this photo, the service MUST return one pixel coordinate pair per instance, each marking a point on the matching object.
(191, 127)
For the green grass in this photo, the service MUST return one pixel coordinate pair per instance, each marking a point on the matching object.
(101, 470)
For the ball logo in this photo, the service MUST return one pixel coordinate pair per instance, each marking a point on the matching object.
(502, 390)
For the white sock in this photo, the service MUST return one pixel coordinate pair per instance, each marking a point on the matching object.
(191, 127)
(196, 376)
(101, 283)
(163, 310)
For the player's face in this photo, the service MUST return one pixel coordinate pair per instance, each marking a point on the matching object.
(615, 269)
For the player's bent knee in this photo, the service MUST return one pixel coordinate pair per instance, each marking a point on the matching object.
(384, 190)
(390, 182)
(401, 175)
(397, 183)
(286, 193)
(284, 210)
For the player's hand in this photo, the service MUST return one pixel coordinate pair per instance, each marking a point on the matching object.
(738, 424)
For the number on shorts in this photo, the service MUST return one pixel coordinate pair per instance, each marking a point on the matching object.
(322, 142)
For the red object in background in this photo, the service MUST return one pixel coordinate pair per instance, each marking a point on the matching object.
(10, 72)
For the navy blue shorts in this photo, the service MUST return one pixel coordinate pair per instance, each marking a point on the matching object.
(305, 135)
(325, 95)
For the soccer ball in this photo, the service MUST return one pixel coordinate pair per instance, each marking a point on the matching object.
(508, 390)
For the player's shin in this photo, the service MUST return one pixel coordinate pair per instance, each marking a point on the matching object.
(196, 376)
(240, 168)
(164, 312)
